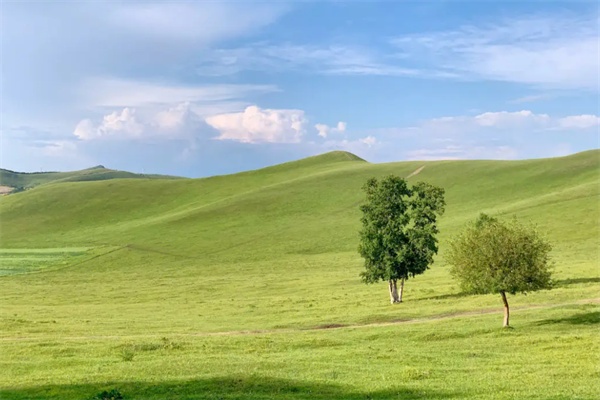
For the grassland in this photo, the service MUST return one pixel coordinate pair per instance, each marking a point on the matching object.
(22, 261)
(27, 180)
(246, 286)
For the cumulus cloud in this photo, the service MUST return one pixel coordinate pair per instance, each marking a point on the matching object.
(175, 122)
(369, 140)
(325, 130)
(583, 121)
(255, 125)
(175, 117)
(122, 123)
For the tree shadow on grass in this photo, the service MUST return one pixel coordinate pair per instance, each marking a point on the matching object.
(575, 281)
(230, 388)
(591, 318)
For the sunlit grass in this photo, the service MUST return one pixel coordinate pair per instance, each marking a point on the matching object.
(162, 289)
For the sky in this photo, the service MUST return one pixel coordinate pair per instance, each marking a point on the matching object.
(201, 88)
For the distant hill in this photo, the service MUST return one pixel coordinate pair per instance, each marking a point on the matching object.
(307, 206)
(20, 181)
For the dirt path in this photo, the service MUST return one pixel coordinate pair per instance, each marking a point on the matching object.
(415, 172)
(497, 310)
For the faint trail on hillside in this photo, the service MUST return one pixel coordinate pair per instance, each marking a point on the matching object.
(359, 202)
(256, 239)
(433, 318)
(415, 172)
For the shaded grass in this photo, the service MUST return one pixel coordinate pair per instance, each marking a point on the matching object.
(590, 318)
(243, 387)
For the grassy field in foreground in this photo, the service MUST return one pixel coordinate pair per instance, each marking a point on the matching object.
(224, 287)
(553, 354)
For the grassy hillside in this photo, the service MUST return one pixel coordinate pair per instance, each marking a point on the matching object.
(28, 180)
(222, 288)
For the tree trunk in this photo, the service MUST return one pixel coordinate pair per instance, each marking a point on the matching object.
(506, 312)
(393, 292)
(401, 290)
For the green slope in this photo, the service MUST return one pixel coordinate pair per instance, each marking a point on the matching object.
(219, 288)
(306, 206)
(28, 180)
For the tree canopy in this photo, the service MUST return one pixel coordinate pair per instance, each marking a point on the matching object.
(491, 256)
(399, 228)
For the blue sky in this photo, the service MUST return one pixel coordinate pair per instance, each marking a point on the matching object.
(206, 87)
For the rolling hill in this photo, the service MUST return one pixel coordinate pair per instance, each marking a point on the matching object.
(304, 207)
(247, 286)
(28, 180)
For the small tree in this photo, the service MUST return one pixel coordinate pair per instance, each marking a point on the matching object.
(398, 237)
(491, 256)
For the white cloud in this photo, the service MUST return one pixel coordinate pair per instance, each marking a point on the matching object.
(255, 125)
(584, 121)
(176, 122)
(369, 140)
(202, 22)
(532, 98)
(123, 124)
(559, 52)
(325, 130)
(515, 121)
(357, 146)
(175, 117)
(158, 40)
(507, 119)
(322, 129)
(101, 92)
(453, 152)
(60, 148)
(489, 135)
(333, 60)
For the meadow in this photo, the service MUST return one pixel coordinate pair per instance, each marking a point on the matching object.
(247, 287)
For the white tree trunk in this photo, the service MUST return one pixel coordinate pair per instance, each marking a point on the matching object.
(393, 292)
(506, 311)
(401, 290)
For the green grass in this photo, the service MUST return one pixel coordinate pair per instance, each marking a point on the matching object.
(21, 261)
(222, 287)
(458, 358)
(28, 180)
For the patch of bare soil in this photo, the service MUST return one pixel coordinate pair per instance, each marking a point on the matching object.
(5, 190)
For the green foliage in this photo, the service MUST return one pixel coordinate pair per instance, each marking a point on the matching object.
(399, 228)
(492, 256)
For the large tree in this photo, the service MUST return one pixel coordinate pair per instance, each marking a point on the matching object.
(399, 228)
(492, 256)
